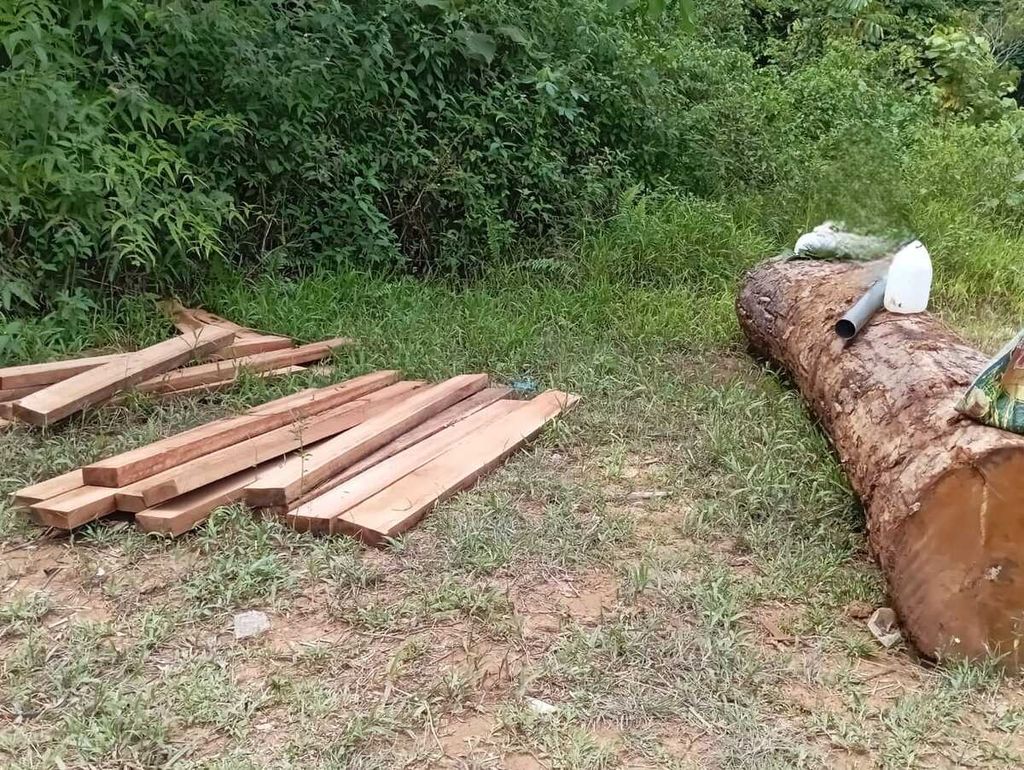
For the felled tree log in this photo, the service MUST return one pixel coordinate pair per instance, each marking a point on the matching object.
(944, 497)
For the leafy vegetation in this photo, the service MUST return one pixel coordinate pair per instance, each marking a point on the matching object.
(152, 145)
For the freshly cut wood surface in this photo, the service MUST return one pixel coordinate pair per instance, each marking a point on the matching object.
(183, 513)
(38, 375)
(438, 422)
(943, 496)
(129, 467)
(61, 399)
(196, 473)
(316, 515)
(219, 371)
(7, 411)
(333, 456)
(399, 506)
(76, 507)
(44, 490)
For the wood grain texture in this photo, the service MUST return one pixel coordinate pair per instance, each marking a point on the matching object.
(333, 456)
(943, 496)
(38, 375)
(189, 510)
(75, 507)
(221, 371)
(135, 465)
(219, 385)
(438, 422)
(402, 504)
(316, 514)
(196, 473)
(61, 399)
(44, 490)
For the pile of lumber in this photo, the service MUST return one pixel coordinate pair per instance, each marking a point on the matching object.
(42, 394)
(366, 457)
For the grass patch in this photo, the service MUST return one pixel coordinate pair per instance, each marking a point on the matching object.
(670, 565)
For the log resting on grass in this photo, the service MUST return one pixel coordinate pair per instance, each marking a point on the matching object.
(944, 497)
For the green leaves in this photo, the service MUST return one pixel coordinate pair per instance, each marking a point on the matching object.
(477, 45)
(513, 33)
(655, 9)
(687, 15)
(13, 288)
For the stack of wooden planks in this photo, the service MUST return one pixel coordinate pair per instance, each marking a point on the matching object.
(367, 457)
(42, 394)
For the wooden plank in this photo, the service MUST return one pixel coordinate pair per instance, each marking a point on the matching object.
(297, 397)
(42, 374)
(187, 511)
(13, 394)
(44, 490)
(317, 465)
(7, 411)
(226, 384)
(316, 514)
(76, 507)
(183, 513)
(130, 467)
(187, 319)
(61, 399)
(218, 371)
(191, 318)
(438, 422)
(204, 470)
(251, 344)
(50, 372)
(247, 341)
(405, 502)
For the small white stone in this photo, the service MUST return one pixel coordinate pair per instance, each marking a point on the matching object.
(884, 626)
(251, 623)
(652, 494)
(540, 707)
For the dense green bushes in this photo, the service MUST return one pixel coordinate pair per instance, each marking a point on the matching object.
(149, 143)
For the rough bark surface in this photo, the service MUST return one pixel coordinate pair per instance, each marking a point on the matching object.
(944, 497)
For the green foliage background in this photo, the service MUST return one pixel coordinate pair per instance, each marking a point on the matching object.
(154, 144)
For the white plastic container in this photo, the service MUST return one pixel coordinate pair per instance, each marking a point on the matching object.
(910, 280)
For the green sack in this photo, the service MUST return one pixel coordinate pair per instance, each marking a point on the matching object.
(996, 397)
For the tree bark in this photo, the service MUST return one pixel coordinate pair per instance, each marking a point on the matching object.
(944, 497)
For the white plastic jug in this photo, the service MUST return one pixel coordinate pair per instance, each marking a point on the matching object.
(910, 280)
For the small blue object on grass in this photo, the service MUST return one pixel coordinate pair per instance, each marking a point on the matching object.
(525, 386)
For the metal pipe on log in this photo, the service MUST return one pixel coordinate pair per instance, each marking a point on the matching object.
(944, 498)
(860, 315)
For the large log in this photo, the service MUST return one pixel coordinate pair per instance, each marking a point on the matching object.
(944, 497)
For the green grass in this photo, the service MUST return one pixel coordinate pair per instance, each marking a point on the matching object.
(672, 565)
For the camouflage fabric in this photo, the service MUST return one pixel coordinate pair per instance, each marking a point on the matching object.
(996, 397)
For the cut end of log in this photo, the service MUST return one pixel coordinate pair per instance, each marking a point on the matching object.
(958, 574)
